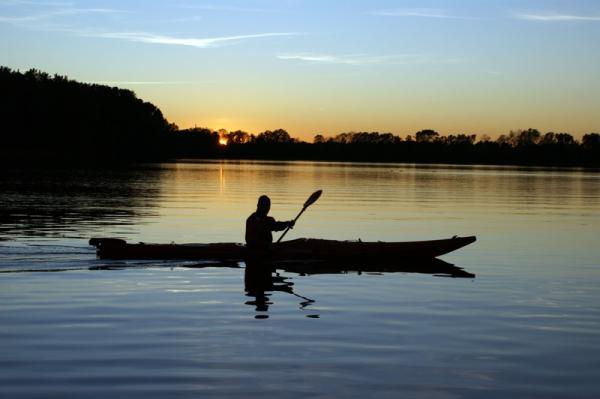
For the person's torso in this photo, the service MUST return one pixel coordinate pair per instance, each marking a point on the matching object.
(258, 230)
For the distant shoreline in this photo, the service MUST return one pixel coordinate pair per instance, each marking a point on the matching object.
(377, 163)
(35, 159)
(52, 120)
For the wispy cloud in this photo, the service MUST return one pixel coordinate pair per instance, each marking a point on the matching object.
(192, 18)
(211, 7)
(364, 59)
(334, 59)
(33, 21)
(494, 72)
(413, 12)
(57, 13)
(35, 3)
(145, 37)
(549, 17)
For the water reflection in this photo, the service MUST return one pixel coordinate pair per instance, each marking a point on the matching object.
(72, 203)
(261, 279)
(436, 267)
(259, 283)
(208, 201)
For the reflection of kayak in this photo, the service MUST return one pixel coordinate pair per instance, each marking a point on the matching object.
(423, 266)
(300, 249)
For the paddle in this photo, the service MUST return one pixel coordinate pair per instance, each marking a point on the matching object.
(311, 200)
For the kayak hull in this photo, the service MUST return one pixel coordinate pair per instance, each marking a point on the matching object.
(299, 249)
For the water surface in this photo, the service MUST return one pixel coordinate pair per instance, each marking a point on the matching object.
(526, 326)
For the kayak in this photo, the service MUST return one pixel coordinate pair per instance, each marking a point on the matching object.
(299, 249)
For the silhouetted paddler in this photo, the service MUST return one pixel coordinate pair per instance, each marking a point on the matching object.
(259, 226)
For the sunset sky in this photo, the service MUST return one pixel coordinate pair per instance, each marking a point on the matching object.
(323, 66)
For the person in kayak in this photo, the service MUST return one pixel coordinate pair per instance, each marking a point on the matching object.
(259, 226)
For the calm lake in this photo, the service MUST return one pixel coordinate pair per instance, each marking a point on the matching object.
(527, 326)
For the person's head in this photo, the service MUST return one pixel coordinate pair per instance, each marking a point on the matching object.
(264, 205)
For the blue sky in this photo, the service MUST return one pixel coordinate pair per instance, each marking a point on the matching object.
(325, 66)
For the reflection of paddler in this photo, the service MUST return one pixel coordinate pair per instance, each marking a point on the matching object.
(257, 277)
(257, 280)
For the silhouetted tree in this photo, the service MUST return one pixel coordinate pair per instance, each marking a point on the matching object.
(278, 136)
(591, 141)
(426, 136)
(194, 142)
(521, 138)
(548, 139)
(565, 139)
(237, 137)
(343, 138)
(460, 139)
(46, 113)
(319, 139)
(388, 138)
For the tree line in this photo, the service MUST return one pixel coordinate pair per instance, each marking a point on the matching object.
(520, 147)
(43, 114)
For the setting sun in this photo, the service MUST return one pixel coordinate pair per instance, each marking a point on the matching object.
(223, 141)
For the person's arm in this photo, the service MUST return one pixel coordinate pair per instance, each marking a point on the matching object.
(278, 226)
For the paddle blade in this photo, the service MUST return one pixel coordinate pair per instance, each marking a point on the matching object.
(313, 198)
